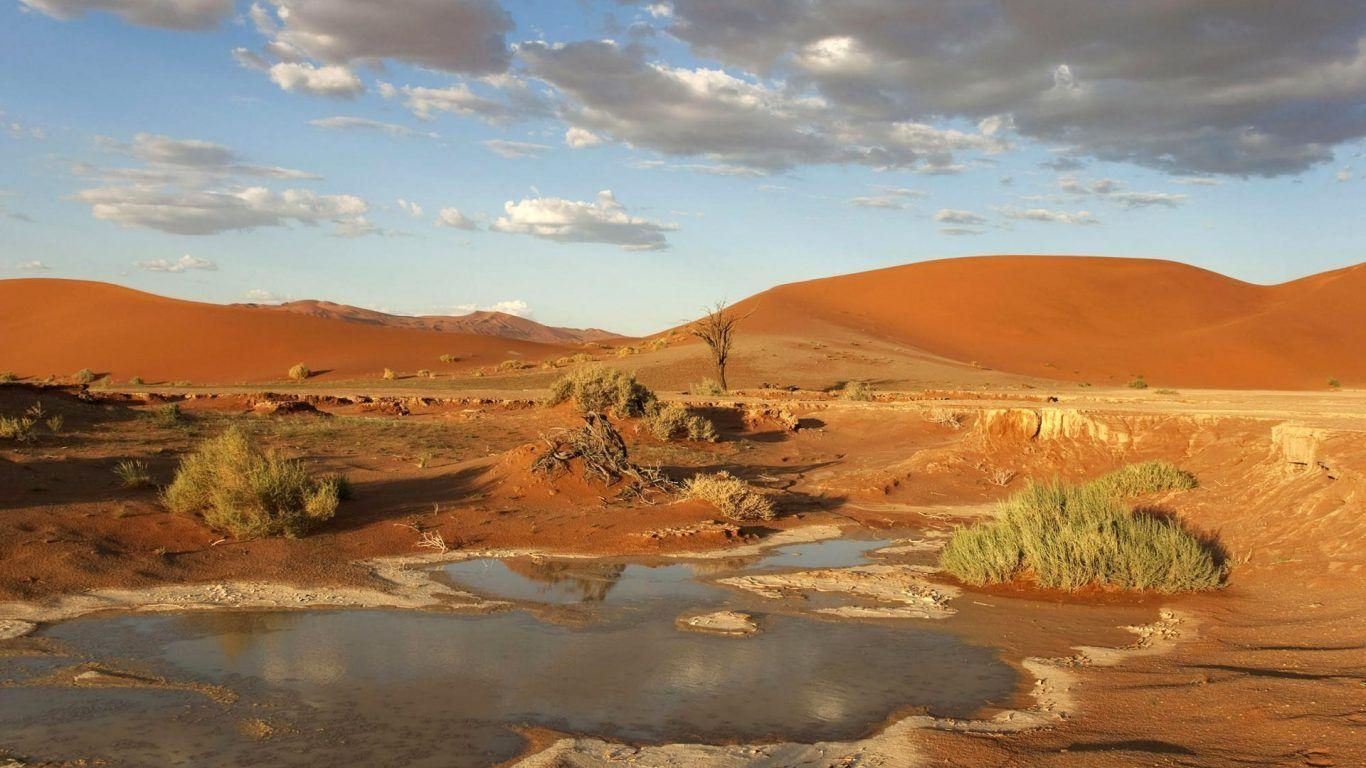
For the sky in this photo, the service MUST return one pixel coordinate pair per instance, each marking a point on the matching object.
(620, 165)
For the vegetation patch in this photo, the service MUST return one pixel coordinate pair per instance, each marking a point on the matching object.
(667, 422)
(19, 428)
(132, 474)
(597, 389)
(732, 496)
(707, 387)
(248, 492)
(83, 376)
(1073, 536)
(857, 390)
(299, 372)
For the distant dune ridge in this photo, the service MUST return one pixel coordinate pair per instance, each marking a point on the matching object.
(480, 322)
(1103, 320)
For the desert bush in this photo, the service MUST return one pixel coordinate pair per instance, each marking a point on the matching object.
(732, 496)
(1073, 536)
(299, 372)
(132, 474)
(239, 488)
(597, 388)
(707, 387)
(581, 357)
(1165, 391)
(448, 358)
(389, 374)
(857, 390)
(1334, 383)
(136, 381)
(655, 345)
(1138, 383)
(55, 422)
(945, 417)
(8, 377)
(626, 351)
(425, 374)
(672, 420)
(83, 376)
(19, 429)
(170, 415)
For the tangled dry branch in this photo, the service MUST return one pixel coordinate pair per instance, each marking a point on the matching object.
(600, 448)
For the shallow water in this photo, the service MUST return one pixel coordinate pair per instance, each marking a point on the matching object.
(597, 651)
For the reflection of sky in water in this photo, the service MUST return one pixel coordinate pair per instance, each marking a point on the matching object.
(627, 673)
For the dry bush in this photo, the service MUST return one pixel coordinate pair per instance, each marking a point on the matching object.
(170, 415)
(707, 388)
(654, 345)
(945, 417)
(857, 390)
(18, 429)
(1073, 536)
(132, 474)
(672, 420)
(55, 422)
(999, 476)
(602, 452)
(8, 377)
(626, 351)
(732, 496)
(83, 376)
(513, 365)
(433, 540)
(136, 381)
(239, 488)
(448, 358)
(299, 372)
(1138, 383)
(597, 388)
(389, 374)
(423, 373)
(1333, 383)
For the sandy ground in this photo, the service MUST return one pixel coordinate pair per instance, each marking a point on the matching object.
(1269, 671)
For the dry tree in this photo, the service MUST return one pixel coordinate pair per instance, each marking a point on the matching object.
(602, 451)
(717, 329)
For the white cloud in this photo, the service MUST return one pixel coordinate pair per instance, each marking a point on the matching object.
(1045, 214)
(1114, 191)
(183, 264)
(453, 218)
(1343, 175)
(660, 10)
(515, 149)
(709, 169)
(345, 123)
(569, 221)
(1198, 181)
(517, 102)
(187, 212)
(896, 198)
(330, 80)
(263, 296)
(515, 307)
(32, 265)
(960, 231)
(411, 208)
(167, 14)
(580, 138)
(18, 130)
(951, 216)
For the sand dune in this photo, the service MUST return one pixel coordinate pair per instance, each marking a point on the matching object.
(61, 326)
(1102, 320)
(481, 322)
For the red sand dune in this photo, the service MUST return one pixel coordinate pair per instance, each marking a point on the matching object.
(1103, 320)
(481, 323)
(61, 326)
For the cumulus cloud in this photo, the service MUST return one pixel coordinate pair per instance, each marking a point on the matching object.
(1115, 191)
(189, 162)
(328, 80)
(515, 307)
(166, 14)
(32, 265)
(185, 263)
(951, 216)
(612, 90)
(515, 149)
(459, 36)
(1047, 215)
(579, 138)
(346, 123)
(1169, 85)
(263, 296)
(453, 218)
(411, 208)
(569, 221)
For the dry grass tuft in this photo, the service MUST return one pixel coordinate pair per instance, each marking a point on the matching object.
(669, 421)
(732, 496)
(19, 429)
(132, 474)
(857, 390)
(707, 388)
(239, 488)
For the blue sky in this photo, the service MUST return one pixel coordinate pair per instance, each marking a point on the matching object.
(740, 152)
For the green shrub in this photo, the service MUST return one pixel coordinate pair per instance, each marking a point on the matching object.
(597, 388)
(732, 496)
(8, 377)
(1138, 383)
(707, 387)
(136, 381)
(299, 372)
(857, 390)
(170, 415)
(1334, 383)
(83, 376)
(132, 474)
(248, 492)
(19, 429)
(672, 420)
(55, 422)
(1073, 536)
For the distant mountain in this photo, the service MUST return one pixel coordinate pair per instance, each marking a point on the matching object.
(482, 323)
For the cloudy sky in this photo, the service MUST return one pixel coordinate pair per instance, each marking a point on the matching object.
(620, 164)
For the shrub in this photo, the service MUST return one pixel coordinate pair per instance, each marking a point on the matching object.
(8, 377)
(136, 381)
(1138, 383)
(1072, 536)
(170, 415)
(857, 390)
(668, 421)
(448, 358)
(389, 374)
(1165, 391)
(597, 388)
(655, 345)
(19, 429)
(132, 474)
(1332, 382)
(732, 496)
(248, 492)
(55, 422)
(425, 374)
(626, 351)
(299, 372)
(945, 417)
(513, 365)
(83, 376)
(581, 357)
(705, 387)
